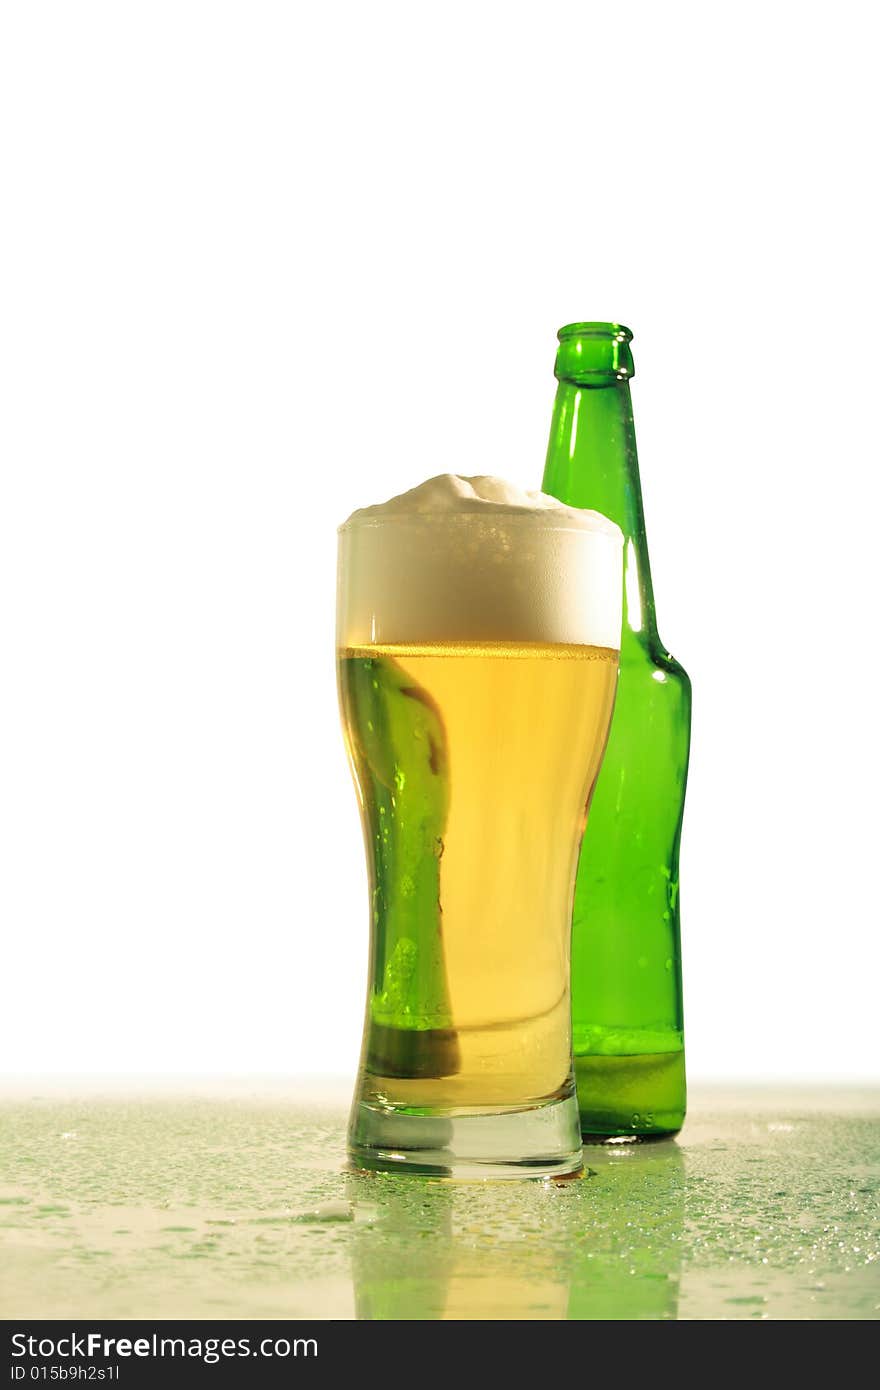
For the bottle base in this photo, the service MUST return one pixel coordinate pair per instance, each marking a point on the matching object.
(632, 1097)
(542, 1141)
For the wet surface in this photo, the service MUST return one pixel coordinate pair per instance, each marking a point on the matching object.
(198, 1205)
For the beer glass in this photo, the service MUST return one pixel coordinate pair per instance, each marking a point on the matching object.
(478, 655)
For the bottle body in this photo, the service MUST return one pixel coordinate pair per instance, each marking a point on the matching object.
(627, 1019)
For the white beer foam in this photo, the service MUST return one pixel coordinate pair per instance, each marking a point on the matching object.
(478, 559)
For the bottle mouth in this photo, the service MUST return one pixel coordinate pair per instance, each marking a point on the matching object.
(616, 332)
(594, 354)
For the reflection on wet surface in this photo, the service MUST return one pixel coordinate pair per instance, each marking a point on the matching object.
(221, 1206)
(606, 1246)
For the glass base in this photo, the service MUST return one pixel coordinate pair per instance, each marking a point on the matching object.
(640, 1097)
(540, 1142)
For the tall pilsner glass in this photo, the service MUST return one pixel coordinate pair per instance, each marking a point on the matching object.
(478, 635)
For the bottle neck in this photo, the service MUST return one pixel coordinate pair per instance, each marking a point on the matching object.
(592, 462)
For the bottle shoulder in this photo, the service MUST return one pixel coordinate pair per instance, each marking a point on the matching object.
(647, 666)
(664, 661)
(645, 650)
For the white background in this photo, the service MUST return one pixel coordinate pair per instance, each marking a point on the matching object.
(264, 263)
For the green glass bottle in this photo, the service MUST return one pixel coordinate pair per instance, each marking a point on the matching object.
(627, 1025)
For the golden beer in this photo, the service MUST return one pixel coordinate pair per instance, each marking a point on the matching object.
(520, 730)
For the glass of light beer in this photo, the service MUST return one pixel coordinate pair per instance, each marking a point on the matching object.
(478, 635)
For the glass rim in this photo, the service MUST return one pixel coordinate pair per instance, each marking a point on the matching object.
(609, 529)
